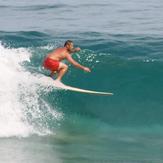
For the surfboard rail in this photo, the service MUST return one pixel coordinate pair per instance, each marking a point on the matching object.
(60, 85)
(86, 91)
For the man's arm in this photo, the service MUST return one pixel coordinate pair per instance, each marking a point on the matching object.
(76, 64)
(74, 50)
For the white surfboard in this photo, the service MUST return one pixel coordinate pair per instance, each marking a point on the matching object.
(60, 85)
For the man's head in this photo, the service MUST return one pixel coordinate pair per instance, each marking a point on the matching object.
(69, 45)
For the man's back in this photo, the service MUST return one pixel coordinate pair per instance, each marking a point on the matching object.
(58, 54)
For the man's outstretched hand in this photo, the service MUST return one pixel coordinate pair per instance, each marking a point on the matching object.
(74, 50)
(77, 49)
(86, 69)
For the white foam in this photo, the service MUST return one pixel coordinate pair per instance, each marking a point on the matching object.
(19, 96)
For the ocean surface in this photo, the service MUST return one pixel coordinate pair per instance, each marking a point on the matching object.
(122, 43)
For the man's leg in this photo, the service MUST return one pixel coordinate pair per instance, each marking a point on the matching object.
(61, 70)
(53, 73)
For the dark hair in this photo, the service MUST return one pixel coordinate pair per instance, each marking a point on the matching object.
(68, 42)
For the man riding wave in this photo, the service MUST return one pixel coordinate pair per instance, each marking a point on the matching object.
(53, 60)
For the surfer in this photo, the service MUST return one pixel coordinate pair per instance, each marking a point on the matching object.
(53, 60)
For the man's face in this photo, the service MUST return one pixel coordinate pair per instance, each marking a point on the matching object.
(70, 46)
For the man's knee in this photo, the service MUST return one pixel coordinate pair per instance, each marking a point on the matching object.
(66, 67)
(63, 66)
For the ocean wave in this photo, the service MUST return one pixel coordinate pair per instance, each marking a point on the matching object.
(22, 110)
(133, 77)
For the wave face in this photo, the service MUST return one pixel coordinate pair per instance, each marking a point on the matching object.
(23, 111)
(129, 66)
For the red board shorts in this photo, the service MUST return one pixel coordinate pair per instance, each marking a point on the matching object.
(51, 64)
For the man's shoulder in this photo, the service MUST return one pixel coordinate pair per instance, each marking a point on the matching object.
(59, 50)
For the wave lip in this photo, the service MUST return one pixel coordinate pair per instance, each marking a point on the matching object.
(20, 109)
(10, 108)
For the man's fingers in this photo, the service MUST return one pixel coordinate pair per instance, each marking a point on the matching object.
(87, 69)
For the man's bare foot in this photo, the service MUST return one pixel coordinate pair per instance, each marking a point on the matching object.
(59, 83)
(57, 80)
(53, 73)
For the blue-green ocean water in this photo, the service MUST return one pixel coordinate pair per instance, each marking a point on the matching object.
(122, 43)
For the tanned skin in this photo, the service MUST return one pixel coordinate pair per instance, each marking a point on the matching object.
(62, 53)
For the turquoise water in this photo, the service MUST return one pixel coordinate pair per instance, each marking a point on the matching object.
(122, 42)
